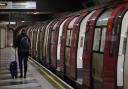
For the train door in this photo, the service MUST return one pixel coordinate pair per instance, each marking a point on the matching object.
(31, 37)
(62, 44)
(52, 44)
(68, 46)
(59, 44)
(40, 43)
(45, 42)
(80, 45)
(122, 64)
(37, 41)
(33, 40)
(55, 43)
(49, 42)
(98, 49)
(88, 45)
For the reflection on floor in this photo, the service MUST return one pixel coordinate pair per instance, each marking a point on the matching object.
(34, 79)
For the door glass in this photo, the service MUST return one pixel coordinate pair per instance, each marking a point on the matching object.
(67, 51)
(103, 37)
(96, 39)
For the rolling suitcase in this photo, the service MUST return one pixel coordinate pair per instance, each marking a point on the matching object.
(13, 68)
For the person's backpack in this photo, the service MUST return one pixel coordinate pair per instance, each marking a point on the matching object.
(25, 44)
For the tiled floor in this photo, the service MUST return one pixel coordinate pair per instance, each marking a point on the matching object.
(34, 79)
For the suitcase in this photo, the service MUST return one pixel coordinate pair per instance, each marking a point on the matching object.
(13, 68)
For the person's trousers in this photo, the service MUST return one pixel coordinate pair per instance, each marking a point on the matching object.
(23, 58)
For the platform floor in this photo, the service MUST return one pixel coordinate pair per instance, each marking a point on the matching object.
(34, 80)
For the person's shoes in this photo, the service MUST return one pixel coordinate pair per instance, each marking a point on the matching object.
(24, 76)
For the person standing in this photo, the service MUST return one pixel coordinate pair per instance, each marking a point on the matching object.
(23, 43)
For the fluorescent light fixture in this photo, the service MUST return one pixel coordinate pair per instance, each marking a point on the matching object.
(6, 23)
(12, 22)
(22, 21)
(36, 13)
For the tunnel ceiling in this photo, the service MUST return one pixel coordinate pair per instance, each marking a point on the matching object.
(47, 8)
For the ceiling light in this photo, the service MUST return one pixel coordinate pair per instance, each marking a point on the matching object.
(36, 13)
(22, 21)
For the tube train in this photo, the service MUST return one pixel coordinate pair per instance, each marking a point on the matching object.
(90, 48)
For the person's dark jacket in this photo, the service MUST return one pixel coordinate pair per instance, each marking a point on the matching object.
(19, 37)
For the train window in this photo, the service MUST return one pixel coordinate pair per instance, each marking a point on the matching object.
(97, 39)
(86, 37)
(103, 37)
(81, 41)
(68, 38)
(53, 37)
(113, 39)
(76, 38)
(124, 45)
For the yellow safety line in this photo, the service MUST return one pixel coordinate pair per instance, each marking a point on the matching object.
(51, 78)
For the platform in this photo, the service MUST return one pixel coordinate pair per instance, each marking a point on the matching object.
(34, 79)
